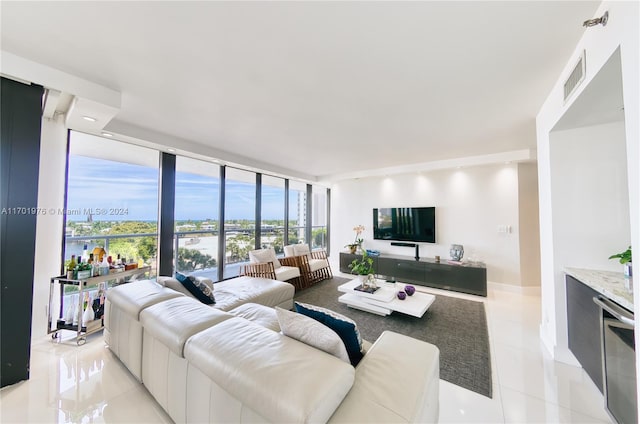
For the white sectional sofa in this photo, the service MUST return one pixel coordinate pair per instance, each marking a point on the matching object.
(206, 365)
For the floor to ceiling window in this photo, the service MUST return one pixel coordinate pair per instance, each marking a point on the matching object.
(239, 219)
(196, 217)
(113, 203)
(319, 218)
(297, 212)
(272, 213)
(112, 199)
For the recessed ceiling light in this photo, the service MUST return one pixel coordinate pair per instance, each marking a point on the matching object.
(106, 134)
(171, 150)
(89, 118)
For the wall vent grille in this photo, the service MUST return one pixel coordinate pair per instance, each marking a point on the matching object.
(576, 77)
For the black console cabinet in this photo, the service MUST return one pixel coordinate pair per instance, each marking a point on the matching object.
(426, 272)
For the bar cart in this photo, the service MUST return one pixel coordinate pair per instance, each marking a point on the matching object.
(70, 316)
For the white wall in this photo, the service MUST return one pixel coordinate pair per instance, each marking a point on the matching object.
(529, 225)
(590, 196)
(470, 205)
(621, 31)
(49, 231)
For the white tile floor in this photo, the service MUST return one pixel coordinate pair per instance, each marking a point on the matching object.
(87, 384)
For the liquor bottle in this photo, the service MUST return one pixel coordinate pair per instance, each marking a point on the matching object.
(104, 266)
(71, 267)
(92, 265)
(85, 253)
(78, 268)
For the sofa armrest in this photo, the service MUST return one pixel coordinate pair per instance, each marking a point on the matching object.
(397, 381)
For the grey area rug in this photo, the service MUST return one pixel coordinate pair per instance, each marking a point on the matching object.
(458, 327)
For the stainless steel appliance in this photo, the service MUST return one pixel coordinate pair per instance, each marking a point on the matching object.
(618, 361)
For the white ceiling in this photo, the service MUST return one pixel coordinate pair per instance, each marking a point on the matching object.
(318, 88)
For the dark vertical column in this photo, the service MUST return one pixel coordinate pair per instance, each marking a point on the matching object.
(258, 224)
(166, 223)
(221, 236)
(328, 222)
(285, 239)
(63, 253)
(307, 230)
(21, 120)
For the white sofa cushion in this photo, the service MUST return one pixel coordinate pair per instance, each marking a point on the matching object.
(396, 381)
(281, 379)
(260, 314)
(288, 250)
(263, 256)
(311, 332)
(316, 264)
(173, 321)
(297, 250)
(301, 249)
(285, 273)
(238, 291)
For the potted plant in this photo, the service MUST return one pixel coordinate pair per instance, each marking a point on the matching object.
(357, 242)
(625, 259)
(364, 268)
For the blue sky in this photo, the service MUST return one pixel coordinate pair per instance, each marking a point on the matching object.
(109, 187)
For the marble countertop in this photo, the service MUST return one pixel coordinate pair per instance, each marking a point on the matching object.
(608, 283)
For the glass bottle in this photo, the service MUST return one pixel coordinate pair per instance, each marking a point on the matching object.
(85, 252)
(71, 267)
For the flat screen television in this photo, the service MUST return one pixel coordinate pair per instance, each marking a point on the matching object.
(405, 224)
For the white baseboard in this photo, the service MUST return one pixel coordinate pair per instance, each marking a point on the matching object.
(523, 290)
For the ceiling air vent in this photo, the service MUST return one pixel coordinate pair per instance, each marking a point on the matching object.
(576, 77)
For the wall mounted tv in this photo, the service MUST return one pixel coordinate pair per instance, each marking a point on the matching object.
(405, 224)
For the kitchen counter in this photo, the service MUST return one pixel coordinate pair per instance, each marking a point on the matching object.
(610, 284)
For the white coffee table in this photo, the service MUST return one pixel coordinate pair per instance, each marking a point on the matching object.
(384, 300)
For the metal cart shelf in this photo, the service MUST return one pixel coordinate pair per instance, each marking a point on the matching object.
(84, 285)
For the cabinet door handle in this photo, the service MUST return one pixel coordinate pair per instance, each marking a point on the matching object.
(615, 310)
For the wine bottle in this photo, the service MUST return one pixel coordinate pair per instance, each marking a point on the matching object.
(71, 267)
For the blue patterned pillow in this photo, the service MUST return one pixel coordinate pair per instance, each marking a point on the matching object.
(198, 289)
(344, 326)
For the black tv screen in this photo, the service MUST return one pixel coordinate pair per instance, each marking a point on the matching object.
(405, 224)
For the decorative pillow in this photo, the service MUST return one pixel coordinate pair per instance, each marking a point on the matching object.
(207, 281)
(301, 250)
(173, 284)
(288, 250)
(311, 332)
(344, 326)
(199, 289)
(262, 256)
